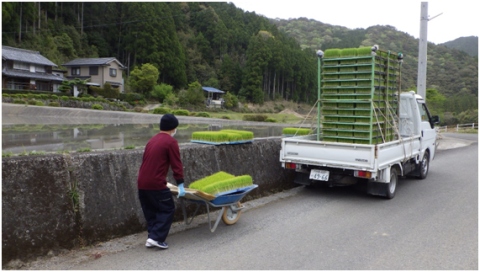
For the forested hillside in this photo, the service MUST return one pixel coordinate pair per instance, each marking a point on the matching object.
(215, 44)
(219, 45)
(467, 44)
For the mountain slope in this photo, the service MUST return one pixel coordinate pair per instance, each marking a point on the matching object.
(466, 44)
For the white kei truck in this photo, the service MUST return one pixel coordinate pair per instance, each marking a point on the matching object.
(376, 135)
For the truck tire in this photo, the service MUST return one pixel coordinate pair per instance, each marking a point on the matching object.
(424, 166)
(391, 187)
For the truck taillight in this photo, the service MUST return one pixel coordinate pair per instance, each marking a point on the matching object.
(363, 174)
(289, 165)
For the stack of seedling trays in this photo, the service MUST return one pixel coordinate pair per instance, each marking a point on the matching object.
(359, 95)
(222, 137)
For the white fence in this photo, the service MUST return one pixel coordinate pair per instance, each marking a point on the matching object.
(458, 127)
(467, 126)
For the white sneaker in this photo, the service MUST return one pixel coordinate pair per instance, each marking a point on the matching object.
(152, 243)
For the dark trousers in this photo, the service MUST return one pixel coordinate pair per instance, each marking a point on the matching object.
(158, 208)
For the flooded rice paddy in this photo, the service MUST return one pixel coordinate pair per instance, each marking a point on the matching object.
(28, 138)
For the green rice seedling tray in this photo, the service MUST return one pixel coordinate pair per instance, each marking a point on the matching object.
(221, 143)
(222, 137)
(199, 184)
(244, 134)
(225, 185)
(289, 131)
(327, 133)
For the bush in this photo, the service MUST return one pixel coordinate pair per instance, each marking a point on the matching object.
(231, 101)
(138, 109)
(160, 92)
(181, 112)
(271, 120)
(132, 98)
(97, 107)
(32, 102)
(54, 104)
(65, 98)
(193, 96)
(19, 101)
(122, 107)
(161, 110)
(256, 118)
(171, 100)
(39, 103)
(202, 114)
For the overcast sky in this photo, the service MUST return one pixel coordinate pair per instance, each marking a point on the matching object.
(459, 18)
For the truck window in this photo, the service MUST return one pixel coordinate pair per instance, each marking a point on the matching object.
(423, 112)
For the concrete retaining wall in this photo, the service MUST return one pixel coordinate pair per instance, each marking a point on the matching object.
(57, 202)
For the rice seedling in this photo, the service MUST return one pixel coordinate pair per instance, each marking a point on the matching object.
(228, 184)
(7, 154)
(348, 52)
(199, 184)
(210, 136)
(244, 134)
(222, 137)
(296, 131)
(332, 53)
(364, 51)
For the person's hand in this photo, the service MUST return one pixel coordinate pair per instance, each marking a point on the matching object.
(181, 190)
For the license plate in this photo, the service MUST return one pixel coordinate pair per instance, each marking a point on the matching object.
(319, 174)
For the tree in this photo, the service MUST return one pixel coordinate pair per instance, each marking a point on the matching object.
(107, 91)
(193, 96)
(67, 85)
(160, 92)
(152, 38)
(435, 101)
(231, 101)
(143, 79)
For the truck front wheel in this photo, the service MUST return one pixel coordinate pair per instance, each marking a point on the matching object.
(424, 166)
(391, 187)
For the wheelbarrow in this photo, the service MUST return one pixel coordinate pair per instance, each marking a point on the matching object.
(229, 202)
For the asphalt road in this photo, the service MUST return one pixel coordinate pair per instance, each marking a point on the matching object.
(431, 224)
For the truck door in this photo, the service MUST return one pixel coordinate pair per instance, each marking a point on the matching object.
(429, 135)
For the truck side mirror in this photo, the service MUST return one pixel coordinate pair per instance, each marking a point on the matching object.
(435, 119)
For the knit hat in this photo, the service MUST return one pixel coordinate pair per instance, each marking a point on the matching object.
(168, 122)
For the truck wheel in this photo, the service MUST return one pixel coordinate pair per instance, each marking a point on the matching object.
(392, 186)
(230, 217)
(424, 166)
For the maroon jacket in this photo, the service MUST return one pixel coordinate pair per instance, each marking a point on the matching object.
(161, 152)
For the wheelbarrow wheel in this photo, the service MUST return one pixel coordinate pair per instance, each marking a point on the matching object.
(231, 217)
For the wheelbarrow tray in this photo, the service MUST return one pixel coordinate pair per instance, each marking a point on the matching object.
(232, 196)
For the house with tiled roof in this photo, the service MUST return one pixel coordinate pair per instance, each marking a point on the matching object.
(98, 71)
(28, 70)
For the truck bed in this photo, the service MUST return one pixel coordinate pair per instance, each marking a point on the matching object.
(307, 150)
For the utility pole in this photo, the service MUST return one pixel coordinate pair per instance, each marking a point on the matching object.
(422, 51)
